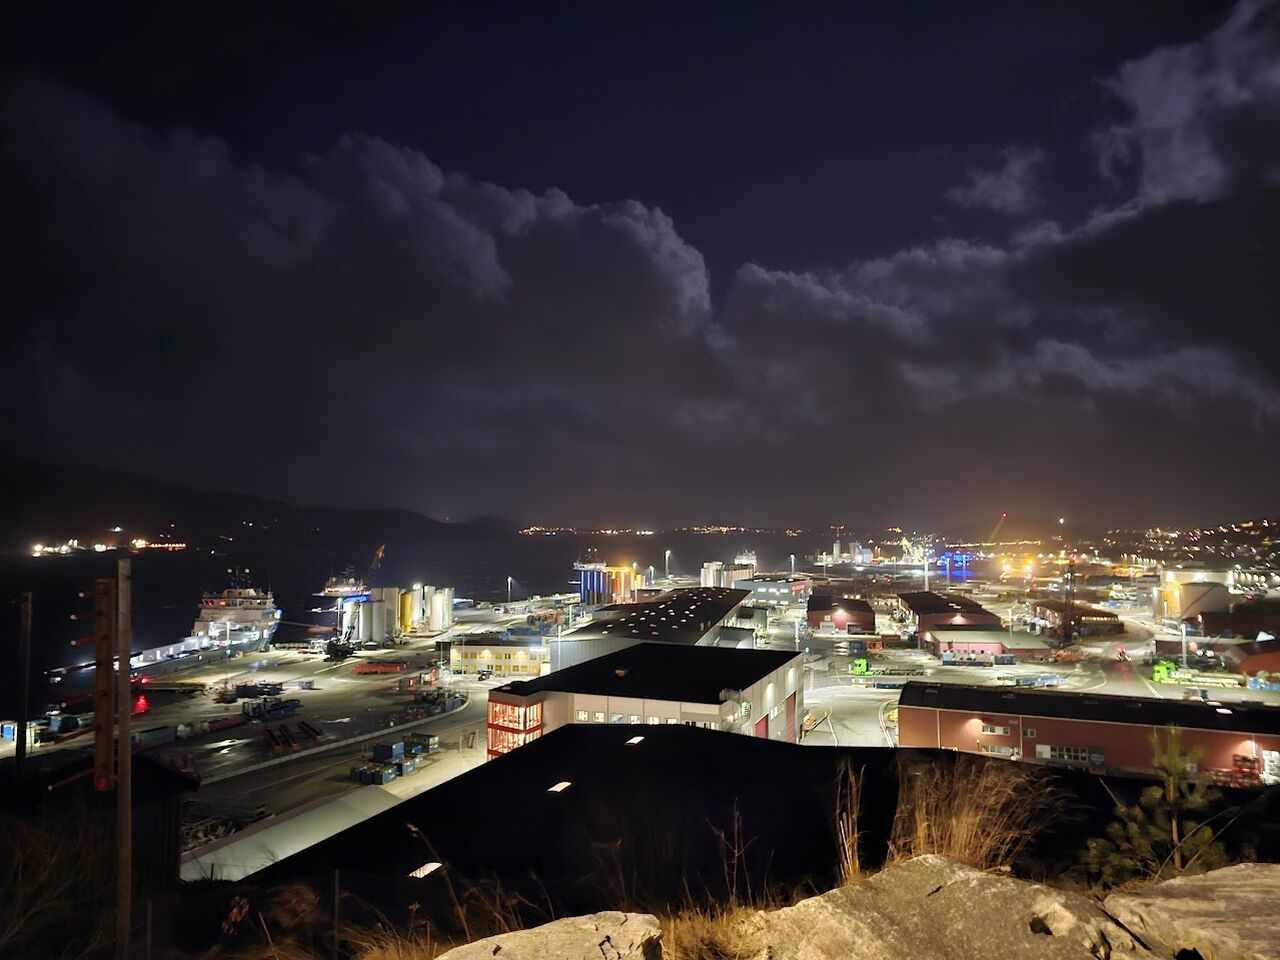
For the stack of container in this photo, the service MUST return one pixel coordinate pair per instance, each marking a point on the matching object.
(388, 752)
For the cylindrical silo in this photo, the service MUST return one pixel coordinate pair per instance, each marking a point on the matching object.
(407, 601)
(379, 618)
(436, 616)
(448, 606)
(425, 608)
(366, 621)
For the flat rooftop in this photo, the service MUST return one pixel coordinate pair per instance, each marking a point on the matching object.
(925, 602)
(660, 671)
(826, 601)
(678, 616)
(1039, 702)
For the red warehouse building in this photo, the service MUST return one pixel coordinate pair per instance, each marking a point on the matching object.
(842, 614)
(1077, 729)
(927, 610)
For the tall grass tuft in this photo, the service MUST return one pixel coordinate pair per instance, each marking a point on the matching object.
(977, 811)
(848, 836)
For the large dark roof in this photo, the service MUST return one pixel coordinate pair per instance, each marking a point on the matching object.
(661, 671)
(663, 798)
(678, 616)
(825, 601)
(1242, 718)
(925, 602)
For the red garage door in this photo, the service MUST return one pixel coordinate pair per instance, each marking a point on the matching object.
(790, 733)
(762, 727)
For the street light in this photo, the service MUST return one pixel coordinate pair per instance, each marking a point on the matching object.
(666, 560)
(793, 564)
(509, 580)
(1184, 644)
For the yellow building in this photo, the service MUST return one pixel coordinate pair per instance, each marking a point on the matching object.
(504, 657)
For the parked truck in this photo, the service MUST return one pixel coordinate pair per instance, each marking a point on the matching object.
(1167, 671)
(270, 709)
(861, 668)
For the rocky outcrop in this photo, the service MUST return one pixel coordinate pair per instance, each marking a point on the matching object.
(1227, 914)
(931, 908)
(600, 936)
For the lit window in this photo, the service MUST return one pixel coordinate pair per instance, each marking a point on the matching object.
(597, 717)
(634, 740)
(582, 716)
(1029, 731)
(560, 787)
(426, 868)
(634, 718)
(995, 731)
(652, 720)
(1070, 754)
(670, 720)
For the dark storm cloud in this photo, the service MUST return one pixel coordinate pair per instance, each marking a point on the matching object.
(364, 320)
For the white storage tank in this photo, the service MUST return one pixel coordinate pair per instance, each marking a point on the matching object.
(366, 621)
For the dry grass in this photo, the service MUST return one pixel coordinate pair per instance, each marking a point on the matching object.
(848, 807)
(978, 812)
(716, 933)
(55, 883)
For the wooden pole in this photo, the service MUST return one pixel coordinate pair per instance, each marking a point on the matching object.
(124, 760)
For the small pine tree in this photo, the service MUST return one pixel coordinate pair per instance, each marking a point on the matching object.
(1165, 833)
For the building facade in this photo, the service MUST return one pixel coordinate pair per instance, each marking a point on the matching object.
(775, 591)
(827, 613)
(755, 692)
(1081, 730)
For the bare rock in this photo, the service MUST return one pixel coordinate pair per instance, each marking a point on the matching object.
(599, 936)
(1226, 914)
(931, 908)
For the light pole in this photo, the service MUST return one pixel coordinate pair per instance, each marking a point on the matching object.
(508, 590)
(1184, 644)
(793, 564)
(651, 573)
(666, 562)
(635, 568)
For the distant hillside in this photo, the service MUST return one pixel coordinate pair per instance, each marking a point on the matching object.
(1020, 527)
(52, 503)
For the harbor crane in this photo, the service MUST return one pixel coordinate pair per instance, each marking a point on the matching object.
(995, 531)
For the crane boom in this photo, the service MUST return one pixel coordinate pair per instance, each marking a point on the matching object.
(995, 531)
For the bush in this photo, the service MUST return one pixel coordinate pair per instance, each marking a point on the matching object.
(1163, 835)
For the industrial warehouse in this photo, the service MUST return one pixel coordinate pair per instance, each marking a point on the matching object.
(841, 614)
(1098, 732)
(925, 610)
(697, 616)
(756, 692)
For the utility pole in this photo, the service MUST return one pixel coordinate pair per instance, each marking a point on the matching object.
(124, 759)
(24, 679)
(1069, 614)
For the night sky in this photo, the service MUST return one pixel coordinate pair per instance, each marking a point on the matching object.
(653, 263)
